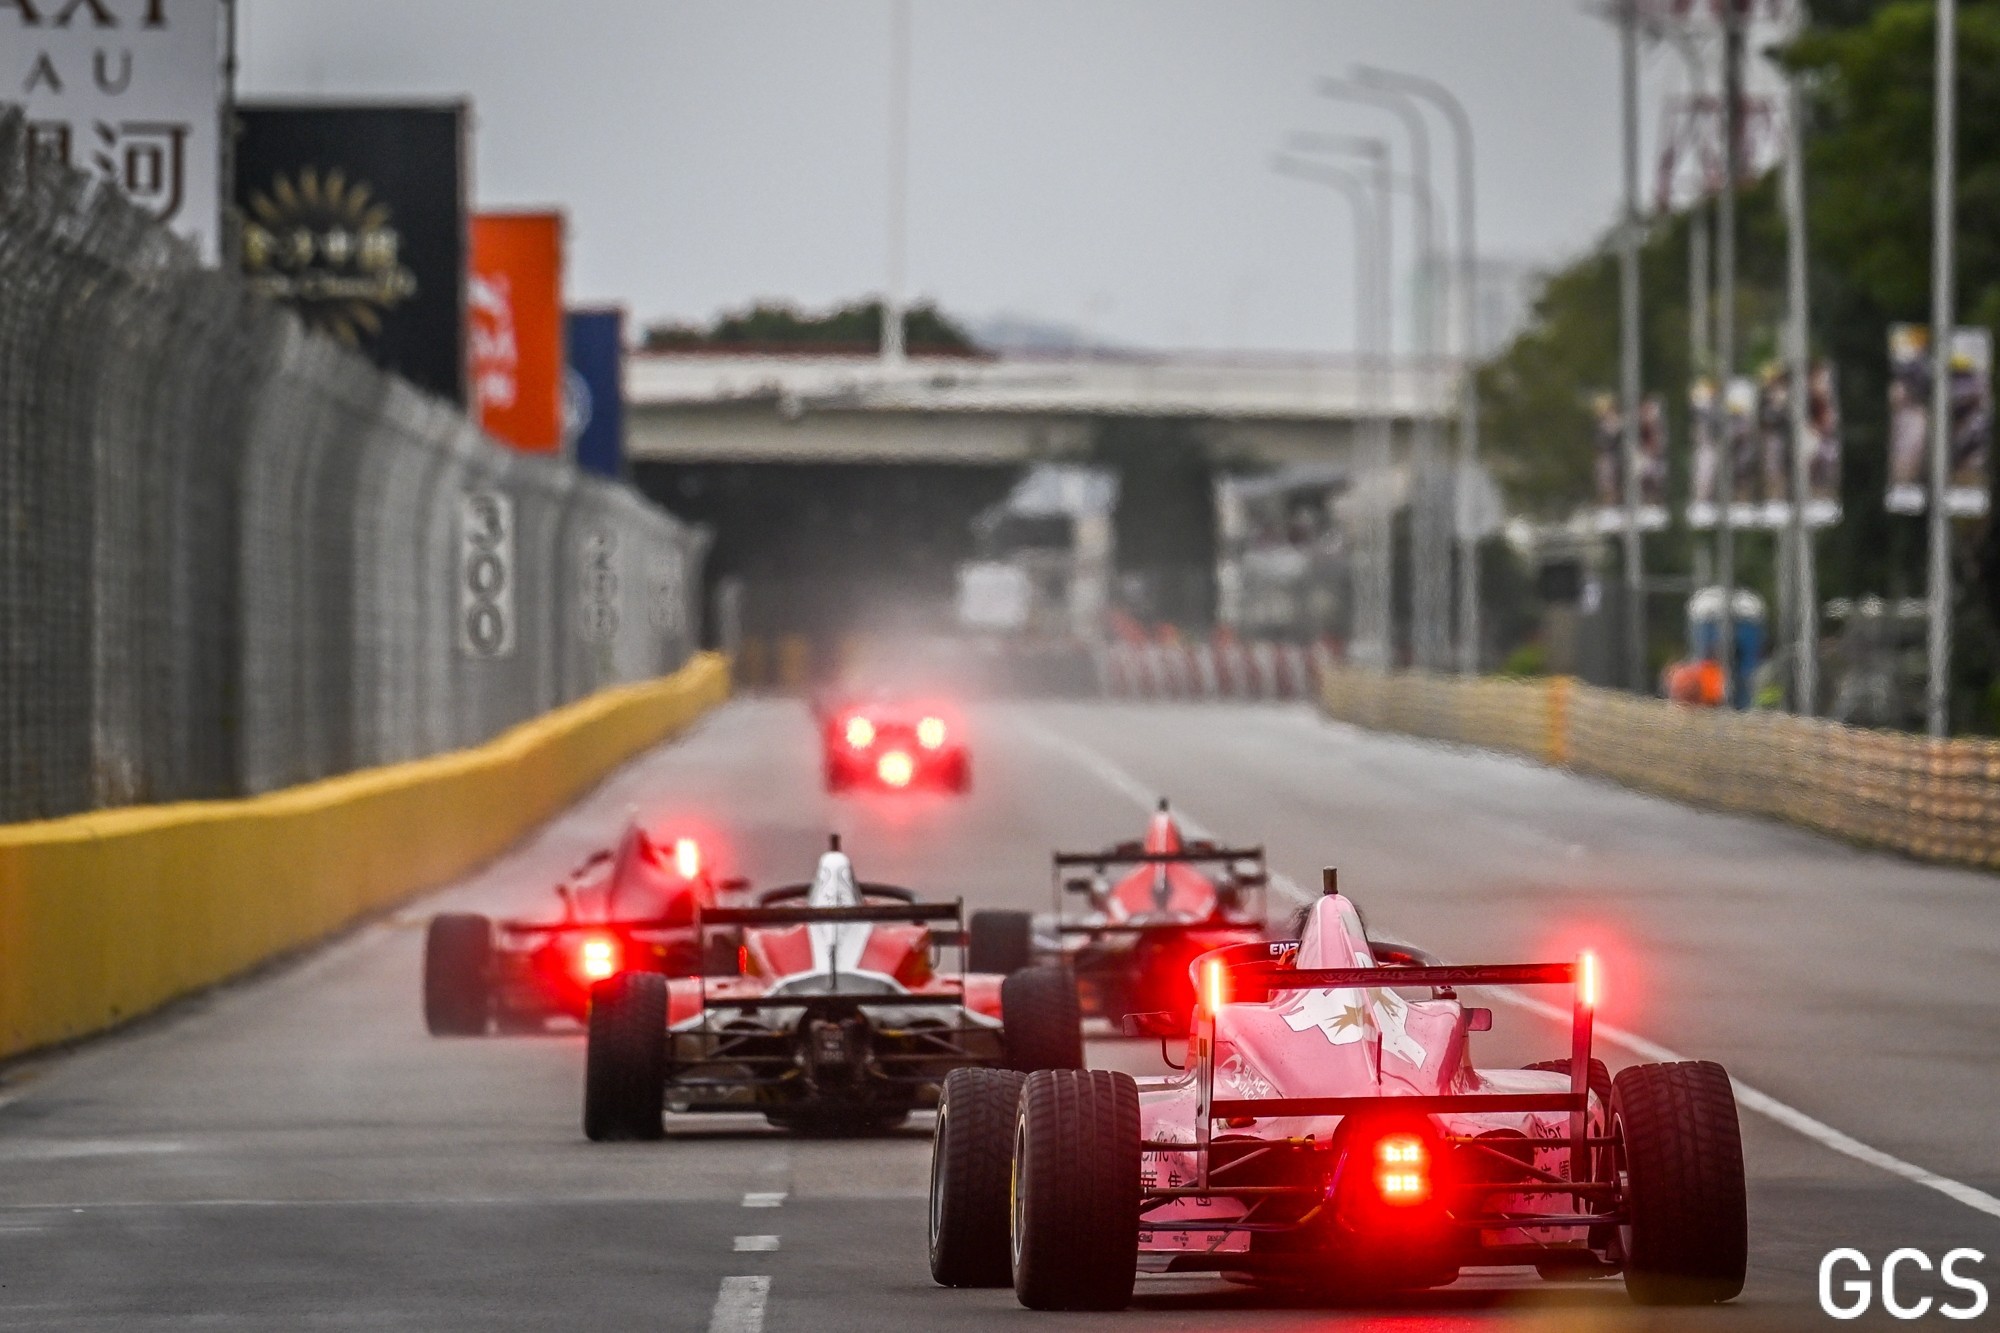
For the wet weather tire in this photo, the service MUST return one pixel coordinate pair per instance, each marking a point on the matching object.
(625, 1057)
(1042, 1022)
(1074, 1206)
(1686, 1239)
(1002, 942)
(458, 951)
(972, 1158)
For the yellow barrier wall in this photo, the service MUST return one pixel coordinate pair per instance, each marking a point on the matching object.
(1935, 799)
(108, 915)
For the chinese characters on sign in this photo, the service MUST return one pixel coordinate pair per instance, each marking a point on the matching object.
(355, 217)
(129, 90)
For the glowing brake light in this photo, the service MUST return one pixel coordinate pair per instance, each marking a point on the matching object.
(1402, 1169)
(860, 733)
(1586, 979)
(930, 732)
(1214, 986)
(896, 768)
(687, 857)
(598, 958)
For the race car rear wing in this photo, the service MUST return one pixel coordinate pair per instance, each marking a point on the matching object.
(802, 915)
(1244, 973)
(1127, 854)
(1118, 857)
(867, 913)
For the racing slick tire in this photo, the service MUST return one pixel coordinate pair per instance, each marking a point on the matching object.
(458, 951)
(971, 1169)
(625, 1059)
(1041, 1019)
(1073, 1210)
(1002, 942)
(1686, 1237)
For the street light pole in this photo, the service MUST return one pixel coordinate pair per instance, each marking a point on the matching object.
(893, 350)
(1371, 268)
(1798, 351)
(1447, 104)
(1430, 600)
(1944, 329)
(1725, 335)
(1628, 337)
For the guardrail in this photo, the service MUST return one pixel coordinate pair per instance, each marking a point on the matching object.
(1934, 799)
(109, 915)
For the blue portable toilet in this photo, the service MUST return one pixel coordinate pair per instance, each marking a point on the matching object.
(1704, 617)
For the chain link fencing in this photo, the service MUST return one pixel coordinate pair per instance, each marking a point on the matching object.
(1934, 799)
(234, 556)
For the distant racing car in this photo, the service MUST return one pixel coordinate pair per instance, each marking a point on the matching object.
(1171, 900)
(628, 908)
(891, 746)
(1333, 1137)
(841, 1018)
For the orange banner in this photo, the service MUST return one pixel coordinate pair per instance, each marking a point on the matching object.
(516, 322)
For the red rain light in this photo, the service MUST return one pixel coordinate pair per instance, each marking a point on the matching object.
(1402, 1169)
(687, 857)
(896, 768)
(1586, 979)
(860, 733)
(598, 958)
(930, 733)
(1214, 986)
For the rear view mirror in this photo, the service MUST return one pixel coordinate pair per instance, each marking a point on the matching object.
(1478, 1020)
(1079, 885)
(950, 939)
(1158, 1023)
(734, 884)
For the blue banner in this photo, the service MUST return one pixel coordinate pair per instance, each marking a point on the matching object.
(594, 390)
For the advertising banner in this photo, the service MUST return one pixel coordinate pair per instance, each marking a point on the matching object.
(130, 90)
(1723, 430)
(355, 217)
(1756, 421)
(1970, 438)
(517, 328)
(1608, 443)
(594, 390)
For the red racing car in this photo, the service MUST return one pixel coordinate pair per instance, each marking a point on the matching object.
(892, 747)
(1333, 1137)
(628, 909)
(841, 1018)
(1173, 900)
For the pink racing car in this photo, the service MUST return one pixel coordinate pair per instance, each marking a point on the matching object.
(1333, 1137)
(1172, 900)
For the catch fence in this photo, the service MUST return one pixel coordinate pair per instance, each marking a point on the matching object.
(234, 556)
(1935, 799)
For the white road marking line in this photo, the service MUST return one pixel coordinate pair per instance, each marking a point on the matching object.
(1772, 1109)
(753, 1244)
(1761, 1102)
(739, 1306)
(764, 1199)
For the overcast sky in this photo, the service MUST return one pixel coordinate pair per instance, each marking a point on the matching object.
(1101, 163)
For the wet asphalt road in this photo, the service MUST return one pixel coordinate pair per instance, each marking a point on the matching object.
(294, 1151)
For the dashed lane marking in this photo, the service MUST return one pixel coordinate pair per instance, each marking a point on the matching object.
(739, 1306)
(1750, 1098)
(755, 1244)
(764, 1199)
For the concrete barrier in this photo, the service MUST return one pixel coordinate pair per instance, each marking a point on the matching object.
(108, 915)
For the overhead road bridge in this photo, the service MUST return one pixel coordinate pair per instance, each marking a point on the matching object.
(722, 407)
